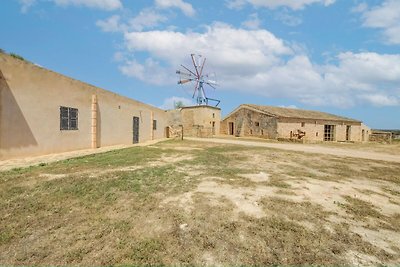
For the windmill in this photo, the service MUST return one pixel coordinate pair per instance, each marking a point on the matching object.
(199, 79)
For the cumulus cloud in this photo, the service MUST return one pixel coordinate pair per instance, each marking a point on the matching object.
(386, 17)
(253, 22)
(107, 5)
(272, 4)
(186, 8)
(112, 24)
(380, 100)
(150, 71)
(259, 63)
(147, 18)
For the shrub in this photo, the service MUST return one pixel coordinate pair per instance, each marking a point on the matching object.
(17, 56)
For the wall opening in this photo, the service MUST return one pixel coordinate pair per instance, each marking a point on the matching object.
(348, 133)
(363, 135)
(213, 128)
(329, 132)
(167, 132)
(135, 130)
(231, 128)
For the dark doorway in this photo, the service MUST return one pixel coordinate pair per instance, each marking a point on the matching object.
(231, 128)
(348, 133)
(167, 132)
(213, 128)
(135, 130)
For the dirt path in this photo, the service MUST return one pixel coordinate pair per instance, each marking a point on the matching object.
(307, 149)
(36, 160)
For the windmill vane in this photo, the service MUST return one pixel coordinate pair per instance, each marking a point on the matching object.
(196, 76)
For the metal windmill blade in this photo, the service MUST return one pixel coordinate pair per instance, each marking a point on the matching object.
(195, 75)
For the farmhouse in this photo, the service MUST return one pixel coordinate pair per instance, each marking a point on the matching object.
(292, 124)
(43, 112)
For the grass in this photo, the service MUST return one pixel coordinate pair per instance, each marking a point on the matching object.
(131, 207)
(360, 209)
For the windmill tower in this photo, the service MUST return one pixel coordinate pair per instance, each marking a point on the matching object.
(199, 79)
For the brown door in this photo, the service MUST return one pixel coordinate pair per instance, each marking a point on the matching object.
(231, 128)
(167, 132)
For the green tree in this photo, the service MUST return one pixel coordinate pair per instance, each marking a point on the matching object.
(179, 104)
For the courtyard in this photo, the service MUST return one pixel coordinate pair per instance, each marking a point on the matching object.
(201, 203)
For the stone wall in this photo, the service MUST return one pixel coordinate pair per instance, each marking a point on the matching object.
(197, 121)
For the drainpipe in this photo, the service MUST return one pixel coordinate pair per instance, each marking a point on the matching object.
(94, 121)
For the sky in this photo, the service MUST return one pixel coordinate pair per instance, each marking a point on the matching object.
(337, 56)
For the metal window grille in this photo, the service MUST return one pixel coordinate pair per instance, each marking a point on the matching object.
(68, 118)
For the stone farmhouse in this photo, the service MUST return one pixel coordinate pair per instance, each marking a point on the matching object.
(43, 112)
(292, 124)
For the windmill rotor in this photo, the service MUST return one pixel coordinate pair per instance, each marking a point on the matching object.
(195, 75)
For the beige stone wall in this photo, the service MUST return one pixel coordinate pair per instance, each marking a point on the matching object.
(30, 99)
(250, 123)
(314, 131)
(256, 124)
(199, 121)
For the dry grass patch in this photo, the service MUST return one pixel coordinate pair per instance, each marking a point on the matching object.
(188, 203)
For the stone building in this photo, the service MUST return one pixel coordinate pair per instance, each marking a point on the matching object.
(195, 121)
(43, 112)
(292, 124)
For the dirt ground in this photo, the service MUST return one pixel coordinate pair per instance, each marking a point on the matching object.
(202, 203)
(373, 151)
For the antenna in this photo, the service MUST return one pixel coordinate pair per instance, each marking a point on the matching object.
(196, 76)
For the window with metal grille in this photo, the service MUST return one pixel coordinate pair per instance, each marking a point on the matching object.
(68, 118)
(154, 124)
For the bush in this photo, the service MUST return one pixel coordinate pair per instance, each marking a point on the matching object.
(2, 51)
(17, 56)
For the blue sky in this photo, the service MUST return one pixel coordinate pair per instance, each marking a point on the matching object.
(338, 56)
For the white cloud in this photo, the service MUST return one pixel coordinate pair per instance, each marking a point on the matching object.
(147, 18)
(381, 100)
(112, 24)
(272, 4)
(107, 5)
(99, 4)
(286, 18)
(169, 103)
(150, 71)
(186, 8)
(26, 4)
(385, 17)
(257, 62)
(253, 22)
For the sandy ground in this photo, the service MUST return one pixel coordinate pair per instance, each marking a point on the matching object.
(36, 160)
(352, 153)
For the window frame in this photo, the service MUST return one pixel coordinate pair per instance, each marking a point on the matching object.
(69, 119)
